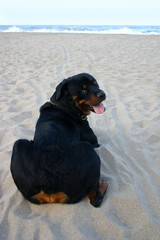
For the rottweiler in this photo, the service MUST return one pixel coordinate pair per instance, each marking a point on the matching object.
(60, 164)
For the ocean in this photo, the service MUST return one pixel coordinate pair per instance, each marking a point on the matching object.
(95, 29)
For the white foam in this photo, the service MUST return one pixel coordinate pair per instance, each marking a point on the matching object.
(123, 30)
(44, 30)
(13, 29)
(111, 30)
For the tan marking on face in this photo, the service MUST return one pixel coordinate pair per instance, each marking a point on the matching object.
(80, 107)
(91, 79)
(43, 197)
(81, 101)
(92, 102)
(84, 86)
(74, 98)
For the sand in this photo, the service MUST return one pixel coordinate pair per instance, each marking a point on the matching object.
(128, 70)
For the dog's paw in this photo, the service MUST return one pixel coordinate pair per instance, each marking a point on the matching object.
(98, 198)
(97, 201)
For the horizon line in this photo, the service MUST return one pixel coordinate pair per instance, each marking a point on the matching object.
(81, 24)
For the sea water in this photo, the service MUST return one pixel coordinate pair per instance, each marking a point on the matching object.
(95, 29)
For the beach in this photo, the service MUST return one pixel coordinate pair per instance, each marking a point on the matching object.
(127, 68)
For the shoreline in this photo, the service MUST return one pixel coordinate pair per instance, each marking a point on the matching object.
(85, 34)
(102, 29)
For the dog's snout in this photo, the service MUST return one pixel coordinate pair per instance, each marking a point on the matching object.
(100, 94)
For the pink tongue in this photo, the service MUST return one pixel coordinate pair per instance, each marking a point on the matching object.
(99, 108)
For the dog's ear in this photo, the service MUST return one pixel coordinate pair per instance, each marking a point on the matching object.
(59, 90)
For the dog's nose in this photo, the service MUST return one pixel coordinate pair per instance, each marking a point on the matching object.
(100, 94)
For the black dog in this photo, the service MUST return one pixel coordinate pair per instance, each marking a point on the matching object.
(60, 165)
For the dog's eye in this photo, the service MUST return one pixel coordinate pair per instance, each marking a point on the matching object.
(84, 91)
(95, 83)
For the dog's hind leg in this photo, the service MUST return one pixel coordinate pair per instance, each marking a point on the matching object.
(22, 165)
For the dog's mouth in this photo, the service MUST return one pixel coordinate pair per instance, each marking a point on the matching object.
(99, 108)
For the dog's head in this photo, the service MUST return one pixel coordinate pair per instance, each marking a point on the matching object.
(81, 92)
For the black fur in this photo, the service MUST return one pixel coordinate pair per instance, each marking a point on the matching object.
(61, 157)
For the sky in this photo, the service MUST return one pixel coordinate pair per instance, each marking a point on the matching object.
(80, 12)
